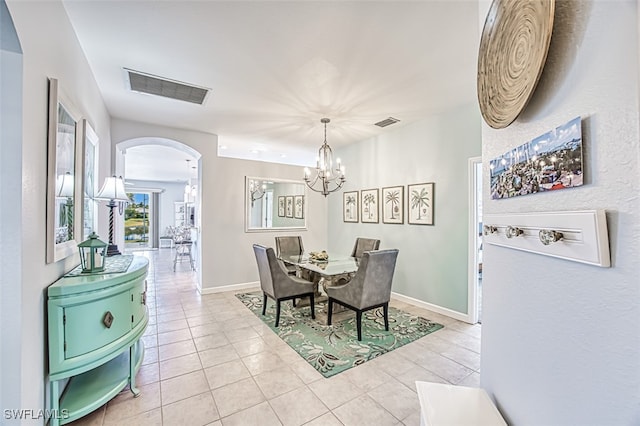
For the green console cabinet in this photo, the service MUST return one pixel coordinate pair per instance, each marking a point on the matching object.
(95, 323)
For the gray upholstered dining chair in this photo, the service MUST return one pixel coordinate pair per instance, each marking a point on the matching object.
(369, 289)
(277, 284)
(364, 244)
(289, 246)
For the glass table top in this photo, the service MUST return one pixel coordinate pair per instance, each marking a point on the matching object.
(335, 265)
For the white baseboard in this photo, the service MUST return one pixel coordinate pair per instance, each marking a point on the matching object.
(435, 308)
(232, 287)
(410, 300)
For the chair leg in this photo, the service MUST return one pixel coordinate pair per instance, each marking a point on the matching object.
(277, 312)
(313, 307)
(359, 324)
(264, 303)
(293, 301)
(175, 258)
(385, 309)
(329, 310)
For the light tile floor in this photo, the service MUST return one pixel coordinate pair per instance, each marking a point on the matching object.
(211, 361)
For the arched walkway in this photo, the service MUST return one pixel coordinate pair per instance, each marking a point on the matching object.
(124, 145)
(121, 166)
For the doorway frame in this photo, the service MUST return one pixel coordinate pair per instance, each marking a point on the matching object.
(473, 246)
(151, 219)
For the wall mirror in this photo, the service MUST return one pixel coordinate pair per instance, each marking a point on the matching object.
(63, 181)
(89, 190)
(274, 204)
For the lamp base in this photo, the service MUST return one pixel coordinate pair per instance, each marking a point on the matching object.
(112, 250)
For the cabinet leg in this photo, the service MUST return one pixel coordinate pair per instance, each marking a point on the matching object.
(132, 371)
(55, 403)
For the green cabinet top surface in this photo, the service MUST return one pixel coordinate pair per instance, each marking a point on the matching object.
(67, 286)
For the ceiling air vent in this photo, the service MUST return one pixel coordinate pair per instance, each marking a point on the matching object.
(387, 122)
(160, 86)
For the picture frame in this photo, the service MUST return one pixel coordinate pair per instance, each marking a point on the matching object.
(298, 206)
(289, 206)
(90, 181)
(420, 203)
(369, 205)
(393, 204)
(549, 162)
(281, 210)
(350, 206)
(64, 171)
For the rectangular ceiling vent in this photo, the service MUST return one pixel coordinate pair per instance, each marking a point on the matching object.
(152, 84)
(387, 122)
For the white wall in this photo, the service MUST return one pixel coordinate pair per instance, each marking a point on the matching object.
(432, 264)
(561, 340)
(50, 50)
(226, 252)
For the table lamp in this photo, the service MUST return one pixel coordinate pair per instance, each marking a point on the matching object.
(113, 190)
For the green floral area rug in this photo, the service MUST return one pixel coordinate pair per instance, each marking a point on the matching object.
(335, 348)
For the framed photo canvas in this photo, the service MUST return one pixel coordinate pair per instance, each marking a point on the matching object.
(420, 199)
(298, 206)
(369, 205)
(393, 204)
(350, 206)
(546, 163)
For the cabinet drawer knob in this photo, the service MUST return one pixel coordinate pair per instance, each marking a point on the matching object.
(107, 320)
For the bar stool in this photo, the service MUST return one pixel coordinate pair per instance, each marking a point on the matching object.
(183, 244)
(183, 251)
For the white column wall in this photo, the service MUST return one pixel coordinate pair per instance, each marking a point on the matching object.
(561, 340)
(50, 49)
(10, 214)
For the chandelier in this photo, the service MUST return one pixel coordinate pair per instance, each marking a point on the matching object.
(325, 176)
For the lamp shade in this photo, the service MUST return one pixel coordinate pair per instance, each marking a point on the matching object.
(64, 185)
(112, 189)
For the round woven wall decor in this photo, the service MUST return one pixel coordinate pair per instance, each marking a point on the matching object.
(513, 49)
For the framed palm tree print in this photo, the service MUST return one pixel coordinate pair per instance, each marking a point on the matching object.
(393, 204)
(280, 206)
(350, 206)
(298, 206)
(289, 205)
(420, 199)
(369, 205)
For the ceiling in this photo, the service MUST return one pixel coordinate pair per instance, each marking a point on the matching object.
(275, 68)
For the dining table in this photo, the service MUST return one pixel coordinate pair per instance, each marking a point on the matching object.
(336, 269)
